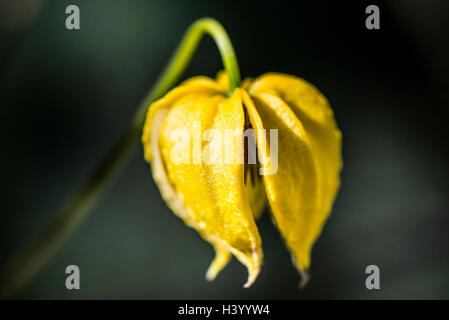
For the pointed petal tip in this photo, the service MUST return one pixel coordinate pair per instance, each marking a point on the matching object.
(252, 275)
(305, 278)
(211, 274)
(248, 283)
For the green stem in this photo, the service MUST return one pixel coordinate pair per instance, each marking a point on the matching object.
(21, 269)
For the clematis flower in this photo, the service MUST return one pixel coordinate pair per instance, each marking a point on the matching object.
(222, 199)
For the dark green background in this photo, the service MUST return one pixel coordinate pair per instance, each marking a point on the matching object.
(66, 96)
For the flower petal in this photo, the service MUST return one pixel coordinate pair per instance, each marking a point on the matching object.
(213, 192)
(309, 159)
(317, 118)
(151, 143)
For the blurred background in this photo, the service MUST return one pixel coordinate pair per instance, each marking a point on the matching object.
(66, 97)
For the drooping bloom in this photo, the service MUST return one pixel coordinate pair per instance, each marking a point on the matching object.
(204, 182)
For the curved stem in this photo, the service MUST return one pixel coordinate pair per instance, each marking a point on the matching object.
(21, 269)
(187, 47)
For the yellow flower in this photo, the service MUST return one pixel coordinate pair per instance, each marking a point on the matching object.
(221, 197)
